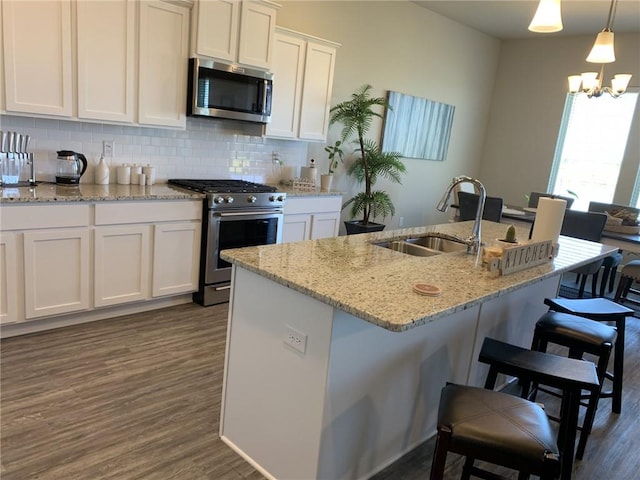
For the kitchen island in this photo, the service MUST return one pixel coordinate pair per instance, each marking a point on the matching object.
(334, 365)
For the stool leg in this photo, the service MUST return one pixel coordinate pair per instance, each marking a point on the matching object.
(443, 440)
(612, 280)
(618, 366)
(583, 282)
(466, 469)
(592, 406)
(492, 376)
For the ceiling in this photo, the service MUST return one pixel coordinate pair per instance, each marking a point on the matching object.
(507, 19)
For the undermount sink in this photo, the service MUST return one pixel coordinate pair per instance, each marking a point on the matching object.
(425, 246)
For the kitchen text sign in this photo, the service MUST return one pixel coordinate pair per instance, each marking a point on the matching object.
(525, 256)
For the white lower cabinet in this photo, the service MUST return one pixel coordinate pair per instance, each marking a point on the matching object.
(67, 258)
(56, 271)
(121, 264)
(176, 253)
(311, 218)
(9, 275)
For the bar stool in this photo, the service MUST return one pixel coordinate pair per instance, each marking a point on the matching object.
(497, 428)
(601, 310)
(580, 335)
(630, 273)
(567, 374)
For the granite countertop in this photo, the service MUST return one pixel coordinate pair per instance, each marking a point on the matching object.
(297, 192)
(48, 192)
(375, 283)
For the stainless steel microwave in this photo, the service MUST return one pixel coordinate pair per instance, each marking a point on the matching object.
(223, 90)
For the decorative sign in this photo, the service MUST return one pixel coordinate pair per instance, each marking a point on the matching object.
(525, 256)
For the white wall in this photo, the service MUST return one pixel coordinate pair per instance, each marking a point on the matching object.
(527, 107)
(399, 46)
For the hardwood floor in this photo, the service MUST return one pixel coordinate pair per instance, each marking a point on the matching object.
(138, 397)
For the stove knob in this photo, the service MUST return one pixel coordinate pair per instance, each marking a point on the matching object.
(229, 199)
(272, 198)
(251, 199)
(218, 200)
(281, 198)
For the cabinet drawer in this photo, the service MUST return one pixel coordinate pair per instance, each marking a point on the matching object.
(147, 212)
(25, 217)
(320, 203)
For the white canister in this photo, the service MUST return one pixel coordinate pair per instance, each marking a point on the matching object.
(135, 171)
(150, 172)
(123, 174)
(308, 174)
(142, 179)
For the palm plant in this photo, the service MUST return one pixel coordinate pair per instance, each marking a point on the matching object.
(357, 116)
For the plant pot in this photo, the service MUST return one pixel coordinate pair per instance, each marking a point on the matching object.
(356, 226)
(326, 182)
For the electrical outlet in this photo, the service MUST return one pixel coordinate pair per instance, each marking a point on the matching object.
(107, 148)
(295, 339)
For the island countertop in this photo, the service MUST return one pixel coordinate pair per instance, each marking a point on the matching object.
(376, 284)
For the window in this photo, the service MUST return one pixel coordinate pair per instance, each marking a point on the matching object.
(591, 144)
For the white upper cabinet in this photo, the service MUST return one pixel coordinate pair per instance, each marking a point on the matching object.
(234, 31)
(257, 29)
(2, 104)
(163, 59)
(38, 56)
(106, 55)
(214, 29)
(303, 68)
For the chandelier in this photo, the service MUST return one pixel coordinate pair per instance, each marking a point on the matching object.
(602, 52)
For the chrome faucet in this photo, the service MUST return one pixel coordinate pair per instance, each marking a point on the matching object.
(474, 241)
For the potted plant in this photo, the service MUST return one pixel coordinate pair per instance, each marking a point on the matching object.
(357, 115)
(335, 158)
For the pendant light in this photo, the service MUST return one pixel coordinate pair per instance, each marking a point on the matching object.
(548, 17)
(603, 51)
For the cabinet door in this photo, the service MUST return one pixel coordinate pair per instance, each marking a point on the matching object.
(163, 59)
(325, 225)
(215, 28)
(8, 279)
(296, 228)
(176, 257)
(37, 56)
(288, 69)
(56, 271)
(2, 104)
(257, 27)
(106, 53)
(121, 269)
(316, 97)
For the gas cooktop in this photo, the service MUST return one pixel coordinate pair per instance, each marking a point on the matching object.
(222, 186)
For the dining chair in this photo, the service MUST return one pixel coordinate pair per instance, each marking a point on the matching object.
(468, 205)
(586, 226)
(534, 197)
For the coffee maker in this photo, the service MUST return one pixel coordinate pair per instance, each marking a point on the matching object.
(71, 166)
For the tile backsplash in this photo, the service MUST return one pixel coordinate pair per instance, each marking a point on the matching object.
(208, 148)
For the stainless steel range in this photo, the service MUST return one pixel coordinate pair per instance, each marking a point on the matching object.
(236, 214)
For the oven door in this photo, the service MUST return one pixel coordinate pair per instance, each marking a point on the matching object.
(236, 230)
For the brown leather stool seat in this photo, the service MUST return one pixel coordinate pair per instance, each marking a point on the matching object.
(601, 310)
(497, 428)
(580, 335)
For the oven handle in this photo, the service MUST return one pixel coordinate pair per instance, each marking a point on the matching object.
(239, 214)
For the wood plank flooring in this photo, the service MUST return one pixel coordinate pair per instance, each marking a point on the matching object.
(138, 397)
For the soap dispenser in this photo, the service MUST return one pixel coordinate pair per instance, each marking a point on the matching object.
(101, 176)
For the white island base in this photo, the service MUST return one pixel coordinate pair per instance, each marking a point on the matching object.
(360, 396)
